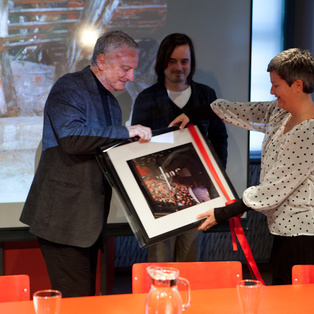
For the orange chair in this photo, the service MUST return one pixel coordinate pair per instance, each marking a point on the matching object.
(201, 275)
(14, 288)
(302, 274)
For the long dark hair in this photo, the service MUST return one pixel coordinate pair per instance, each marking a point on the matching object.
(165, 50)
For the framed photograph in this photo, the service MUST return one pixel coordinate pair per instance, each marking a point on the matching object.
(165, 183)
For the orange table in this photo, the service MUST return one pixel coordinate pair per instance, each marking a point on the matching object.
(275, 299)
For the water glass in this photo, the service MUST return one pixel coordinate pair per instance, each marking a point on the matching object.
(47, 301)
(249, 293)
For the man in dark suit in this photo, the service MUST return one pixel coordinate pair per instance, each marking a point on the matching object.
(174, 93)
(68, 203)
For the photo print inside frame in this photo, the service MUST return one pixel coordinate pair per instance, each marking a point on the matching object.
(173, 179)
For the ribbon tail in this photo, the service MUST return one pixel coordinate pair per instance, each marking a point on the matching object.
(233, 236)
(246, 249)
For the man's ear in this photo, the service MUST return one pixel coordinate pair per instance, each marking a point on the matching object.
(101, 61)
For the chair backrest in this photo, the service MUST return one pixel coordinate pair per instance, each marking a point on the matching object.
(302, 274)
(201, 275)
(14, 288)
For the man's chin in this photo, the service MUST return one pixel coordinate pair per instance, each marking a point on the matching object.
(179, 80)
(120, 88)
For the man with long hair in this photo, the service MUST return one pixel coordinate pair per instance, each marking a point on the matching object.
(174, 93)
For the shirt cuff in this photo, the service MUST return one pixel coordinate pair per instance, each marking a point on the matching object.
(231, 210)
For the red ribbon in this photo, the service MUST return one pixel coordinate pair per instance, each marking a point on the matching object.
(236, 229)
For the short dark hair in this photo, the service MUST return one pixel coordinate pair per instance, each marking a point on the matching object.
(112, 40)
(294, 64)
(165, 50)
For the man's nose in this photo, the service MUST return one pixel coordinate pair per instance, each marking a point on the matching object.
(178, 66)
(130, 75)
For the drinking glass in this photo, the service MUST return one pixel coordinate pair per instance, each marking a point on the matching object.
(47, 301)
(249, 293)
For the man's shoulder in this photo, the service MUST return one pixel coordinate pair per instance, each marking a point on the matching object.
(74, 77)
(151, 89)
(203, 91)
(201, 86)
(152, 93)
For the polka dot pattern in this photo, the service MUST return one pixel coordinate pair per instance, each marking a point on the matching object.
(286, 189)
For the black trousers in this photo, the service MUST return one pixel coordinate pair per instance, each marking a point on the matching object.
(289, 251)
(71, 270)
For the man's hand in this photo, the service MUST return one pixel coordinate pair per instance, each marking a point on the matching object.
(143, 132)
(182, 120)
(209, 222)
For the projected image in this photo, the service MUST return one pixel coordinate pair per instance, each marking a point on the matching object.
(42, 40)
(173, 179)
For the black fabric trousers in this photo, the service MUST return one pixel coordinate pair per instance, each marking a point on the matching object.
(71, 270)
(289, 251)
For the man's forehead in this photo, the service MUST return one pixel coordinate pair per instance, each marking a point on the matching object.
(123, 50)
(181, 51)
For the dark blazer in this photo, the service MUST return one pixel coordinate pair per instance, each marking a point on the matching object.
(68, 202)
(153, 108)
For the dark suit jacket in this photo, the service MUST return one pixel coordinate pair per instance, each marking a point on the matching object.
(68, 202)
(152, 108)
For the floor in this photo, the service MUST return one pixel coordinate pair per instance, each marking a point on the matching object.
(123, 278)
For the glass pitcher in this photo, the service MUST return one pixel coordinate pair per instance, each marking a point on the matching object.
(164, 297)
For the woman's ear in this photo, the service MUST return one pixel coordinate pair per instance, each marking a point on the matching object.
(298, 84)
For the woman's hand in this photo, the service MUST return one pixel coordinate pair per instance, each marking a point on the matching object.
(209, 222)
(182, 120)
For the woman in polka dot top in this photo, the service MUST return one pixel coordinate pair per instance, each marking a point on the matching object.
(286, 189)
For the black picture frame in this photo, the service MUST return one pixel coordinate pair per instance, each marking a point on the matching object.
(165, 183)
